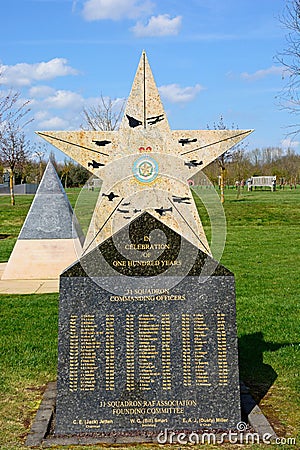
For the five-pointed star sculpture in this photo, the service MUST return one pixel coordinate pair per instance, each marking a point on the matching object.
(145, 165)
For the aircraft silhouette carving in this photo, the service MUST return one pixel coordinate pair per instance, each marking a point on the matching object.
(185, 200)
(123, 211)
(153, 120)
(110, 196)
(94, 164)
(185, 141)
(193, 163)
(133, 123)
(162, 211)
(101, 143)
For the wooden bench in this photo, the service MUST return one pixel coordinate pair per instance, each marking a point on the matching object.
(261, 182)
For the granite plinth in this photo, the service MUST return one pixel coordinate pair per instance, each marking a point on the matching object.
(50, 215)
(147, 337)
(40, 435)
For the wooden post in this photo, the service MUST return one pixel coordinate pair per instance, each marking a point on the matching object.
(11, 187)
(40, 170)
(222, 182)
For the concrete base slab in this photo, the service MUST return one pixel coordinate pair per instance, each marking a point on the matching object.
(41, 259)
(27, 286)
(41, 433)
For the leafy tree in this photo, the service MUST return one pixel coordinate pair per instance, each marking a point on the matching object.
(28, 173)
(73, 174)
(65, 171)
(79, 175)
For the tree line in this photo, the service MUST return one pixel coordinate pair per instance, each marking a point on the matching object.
(243, 164)
(31, 170)
(25, 162)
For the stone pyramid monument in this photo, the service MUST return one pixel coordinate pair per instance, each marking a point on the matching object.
(51, 238)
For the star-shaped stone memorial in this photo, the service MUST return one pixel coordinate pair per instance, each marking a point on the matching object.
(145, 165)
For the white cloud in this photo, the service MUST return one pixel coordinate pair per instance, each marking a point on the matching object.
(177, 94)
(161, 25)
(24, 74)
(64, 99)
(53, 123)
(116, 9)
(94, 102)
(41, 91)
(41, 115)
(263, 73)
(289, 143)
(57, 111)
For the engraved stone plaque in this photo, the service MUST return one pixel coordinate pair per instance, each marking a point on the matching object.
(147, 336)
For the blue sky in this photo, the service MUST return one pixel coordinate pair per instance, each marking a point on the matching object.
(209, 58)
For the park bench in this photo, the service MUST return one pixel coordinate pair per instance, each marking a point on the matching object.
(262, 181)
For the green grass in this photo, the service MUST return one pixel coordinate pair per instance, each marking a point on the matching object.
(11, 221)
(28, 356)
(83, 204)
(262, 250)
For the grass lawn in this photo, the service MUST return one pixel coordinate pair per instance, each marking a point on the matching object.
(262, 249)
(11, 221)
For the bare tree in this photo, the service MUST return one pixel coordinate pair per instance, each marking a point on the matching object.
(290, 60)
(13, 144)
(39, 151)
(226, 157)
(14, 153)
(105, 116)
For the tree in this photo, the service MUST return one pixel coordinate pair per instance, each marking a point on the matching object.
(73, 174)
(13, 143)
(240, 168)
(66, 169)
(226, 157)
(105, 116)
(290, 59)
(290, 166)
(285, 164)
(78, 175)
(39, 151)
